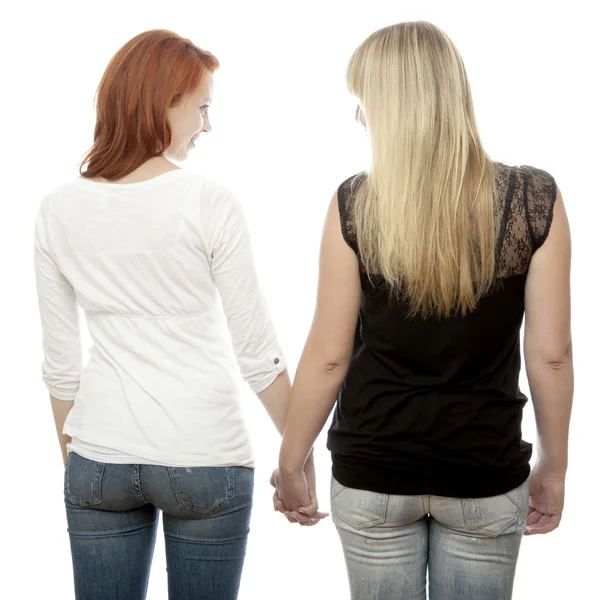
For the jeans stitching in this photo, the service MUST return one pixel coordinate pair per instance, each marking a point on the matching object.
(485, 530)
(137, 484)
(183, 504)
(96, 484)
(342, 487)
(518, 507)
(383, 504)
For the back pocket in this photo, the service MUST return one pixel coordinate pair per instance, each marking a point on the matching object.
(204, 490)
(358, 508)
(83, 481)
(491, 516)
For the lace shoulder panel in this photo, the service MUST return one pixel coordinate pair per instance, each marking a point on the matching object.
(540, 197)
(524, 199)
(346, 194)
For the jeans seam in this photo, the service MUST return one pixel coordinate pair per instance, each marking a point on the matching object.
(137, 484)
(518, 507)
(462, 504)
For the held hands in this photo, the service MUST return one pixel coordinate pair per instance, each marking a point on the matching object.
(546, 500)
(295, 495)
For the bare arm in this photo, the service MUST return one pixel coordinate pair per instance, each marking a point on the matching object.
(276, 399)
(547, 342)
(328, 349)
(549, 365)
(60, 409)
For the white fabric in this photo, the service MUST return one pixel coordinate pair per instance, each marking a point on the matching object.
(154, 265)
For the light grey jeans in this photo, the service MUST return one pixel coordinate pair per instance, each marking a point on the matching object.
(467, 546)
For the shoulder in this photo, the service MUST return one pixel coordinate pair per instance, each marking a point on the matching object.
(212, 195)
(540, 192)
(535, 185)
(346, 193)
(54, 194)
(348, 187)
(540, 186)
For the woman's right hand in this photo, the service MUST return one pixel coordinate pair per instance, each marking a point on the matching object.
(307, 515)
(546, 500)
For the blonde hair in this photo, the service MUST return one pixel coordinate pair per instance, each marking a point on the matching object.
(424, 215)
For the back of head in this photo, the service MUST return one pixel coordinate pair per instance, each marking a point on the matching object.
(424, 214)
(147, 76)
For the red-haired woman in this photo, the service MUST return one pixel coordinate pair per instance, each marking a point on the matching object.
(149, 251)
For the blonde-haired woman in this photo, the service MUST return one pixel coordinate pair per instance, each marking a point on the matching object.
(436, 252)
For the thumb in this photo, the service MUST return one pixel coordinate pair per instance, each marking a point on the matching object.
(313, 506)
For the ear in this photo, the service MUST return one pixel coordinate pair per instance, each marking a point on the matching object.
(360, 116)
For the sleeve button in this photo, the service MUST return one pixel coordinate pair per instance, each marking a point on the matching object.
(276, 361)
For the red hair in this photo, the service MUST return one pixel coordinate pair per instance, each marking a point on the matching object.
(148, 75)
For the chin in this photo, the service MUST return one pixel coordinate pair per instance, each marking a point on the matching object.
(178, 156)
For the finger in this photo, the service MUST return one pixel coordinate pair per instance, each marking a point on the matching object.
(316, 516)
(290, 517)
(313, 505)
(314, 519)
(534, 518)
(539, 530)
(310, 523)
(300, 518)
(310, 509)
(546, 524)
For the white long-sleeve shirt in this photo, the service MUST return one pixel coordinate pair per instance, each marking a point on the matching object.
(155, 266)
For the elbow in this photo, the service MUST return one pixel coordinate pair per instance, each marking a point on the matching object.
(327, 358)
(556, 365)
(335, 365)
(555, 361)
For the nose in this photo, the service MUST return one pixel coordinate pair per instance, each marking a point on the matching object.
(206, 127)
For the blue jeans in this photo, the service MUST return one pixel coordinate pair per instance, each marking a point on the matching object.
(468, 547)
(112, 515)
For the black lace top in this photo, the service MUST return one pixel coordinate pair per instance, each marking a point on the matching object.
(434, 407)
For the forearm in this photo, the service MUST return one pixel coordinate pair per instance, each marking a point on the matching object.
(60, 409)
(551, 388)
(314, 393)
(276, 400)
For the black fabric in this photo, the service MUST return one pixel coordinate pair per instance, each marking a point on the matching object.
(432, 406)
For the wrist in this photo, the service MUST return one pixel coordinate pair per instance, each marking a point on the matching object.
(290, 461)
(290, 465)
(557, 469)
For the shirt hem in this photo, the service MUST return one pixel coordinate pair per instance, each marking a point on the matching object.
(463, 483)
(120, 457)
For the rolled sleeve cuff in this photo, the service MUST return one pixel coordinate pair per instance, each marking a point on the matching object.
(61, 389)
(259, 382)
(61, 393)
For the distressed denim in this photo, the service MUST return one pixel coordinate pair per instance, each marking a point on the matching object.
(112, 515)
(466, 547)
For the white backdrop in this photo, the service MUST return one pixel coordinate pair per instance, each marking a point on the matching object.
(283, 138)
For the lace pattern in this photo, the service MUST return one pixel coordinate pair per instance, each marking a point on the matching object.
(524, 200)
